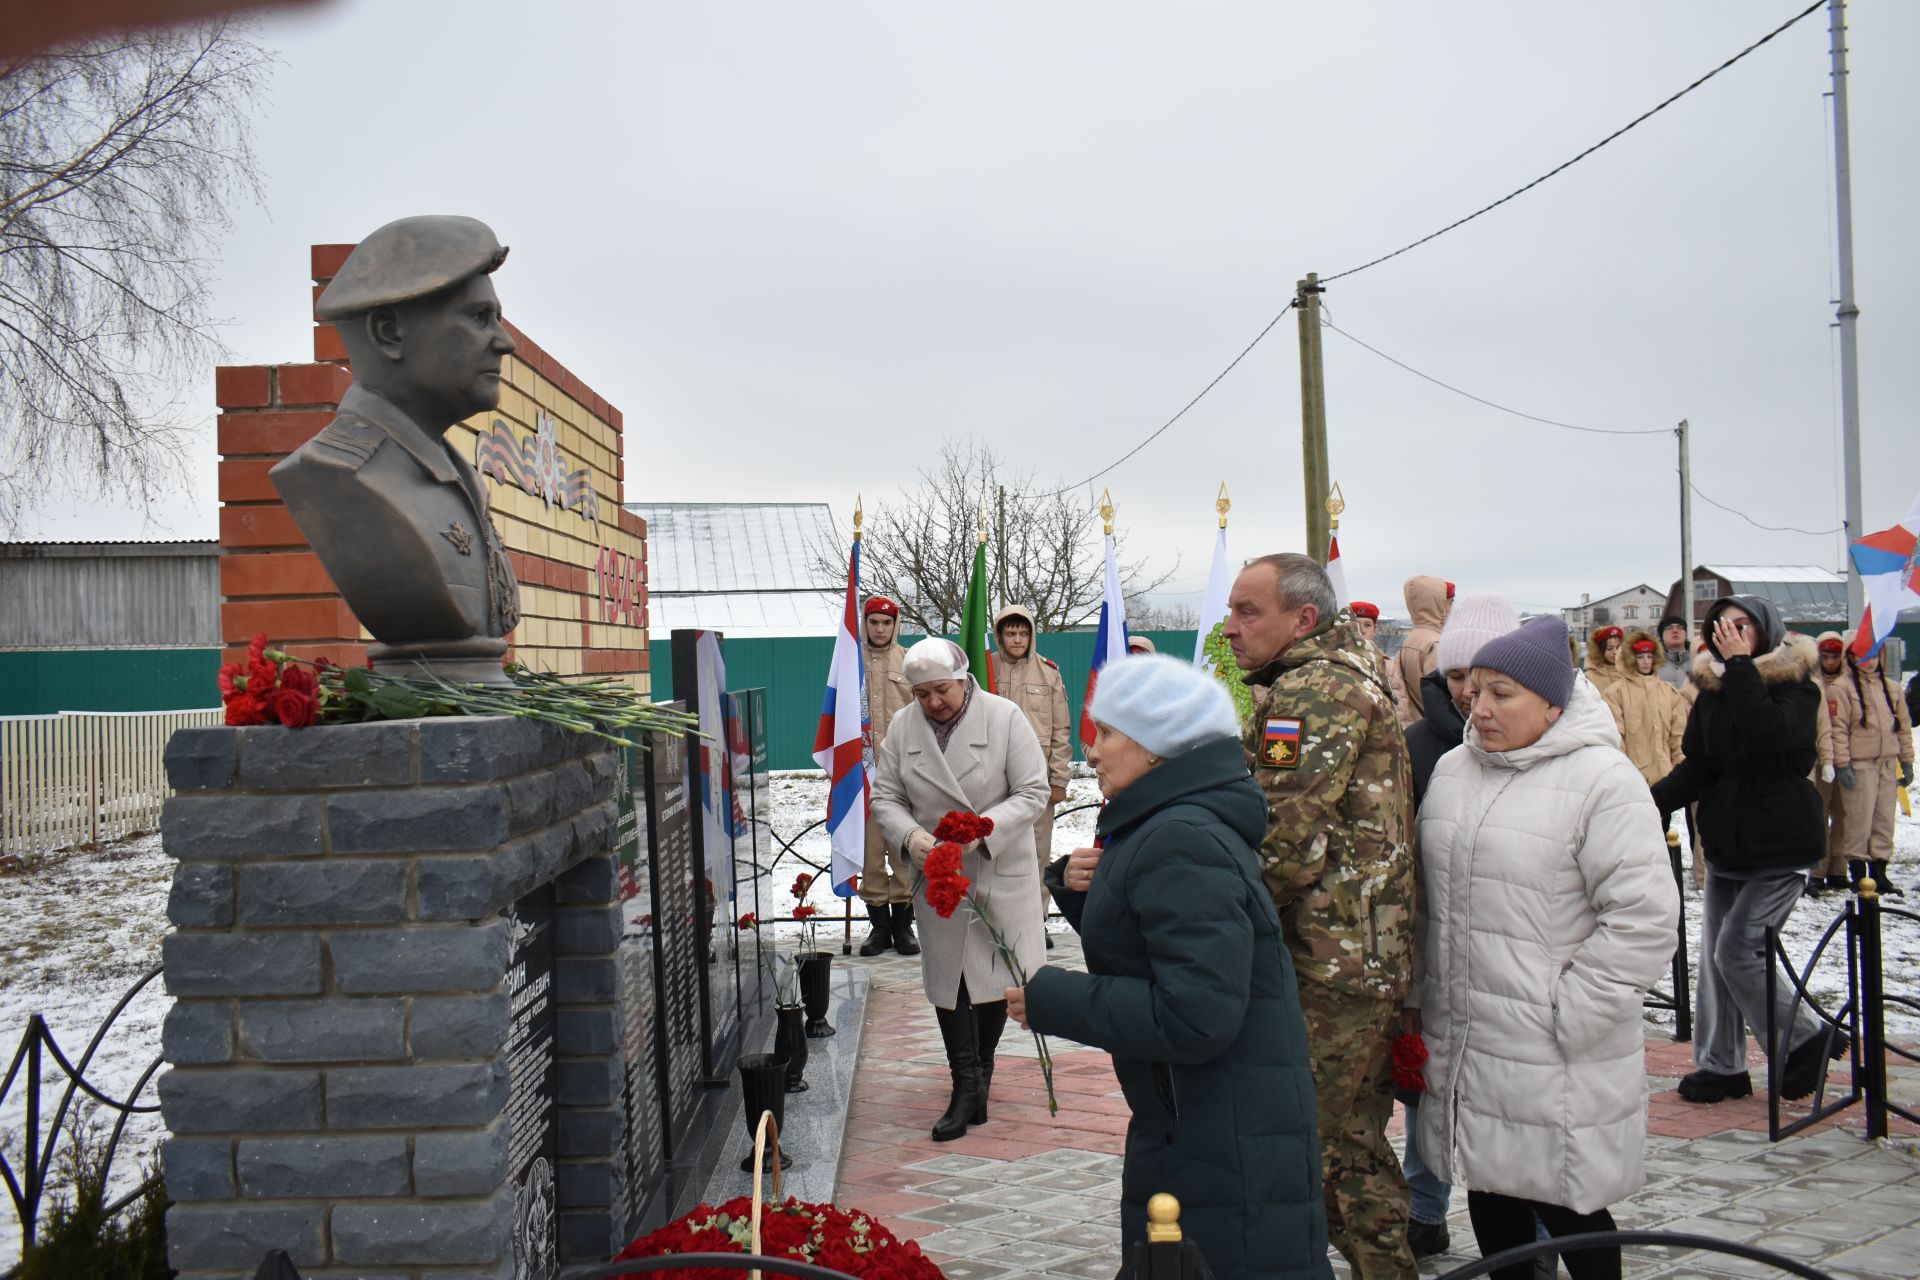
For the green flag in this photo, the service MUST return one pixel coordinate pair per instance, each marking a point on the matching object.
(974, 621)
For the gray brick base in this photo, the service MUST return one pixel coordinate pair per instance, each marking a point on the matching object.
(337, 1085)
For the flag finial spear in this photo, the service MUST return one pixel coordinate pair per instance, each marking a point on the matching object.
(1223, 504)
(1335, 505)
(859, 517)
(1106, 511)
(983, 513)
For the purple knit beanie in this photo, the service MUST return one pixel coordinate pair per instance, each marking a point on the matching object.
(1535, 655)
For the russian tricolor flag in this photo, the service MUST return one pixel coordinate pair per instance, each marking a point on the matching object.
(1109, 642)
(1885, 563)
(843, 745)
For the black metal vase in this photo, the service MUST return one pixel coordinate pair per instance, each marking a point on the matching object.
(816, 972)
(763, 1087)
(790, 1042)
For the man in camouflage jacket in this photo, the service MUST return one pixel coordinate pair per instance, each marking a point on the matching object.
(1326, 747)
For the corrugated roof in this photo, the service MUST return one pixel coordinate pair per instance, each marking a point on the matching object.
(734, 546)
(747, 613)
(1774, 573)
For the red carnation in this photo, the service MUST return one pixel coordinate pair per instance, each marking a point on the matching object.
(299, 678)
(801, 883)
(946, 886)
(245, 709)
(963, 828)
(749, 921)
(805, 912)
(1409, 1061)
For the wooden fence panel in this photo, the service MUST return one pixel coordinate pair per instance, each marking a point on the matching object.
(84, 776)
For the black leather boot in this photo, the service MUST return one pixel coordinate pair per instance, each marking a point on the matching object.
(989, 1020)
(1877, 868)
(1856, 871)
(882, 936)
(956, 1028)
(903, 940)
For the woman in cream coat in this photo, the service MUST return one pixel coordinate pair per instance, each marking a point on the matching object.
(1550, 909)
(960, 747)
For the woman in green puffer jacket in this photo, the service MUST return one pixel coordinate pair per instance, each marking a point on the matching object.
(1188, 985)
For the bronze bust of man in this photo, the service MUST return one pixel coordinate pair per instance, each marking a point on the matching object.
(398, 518)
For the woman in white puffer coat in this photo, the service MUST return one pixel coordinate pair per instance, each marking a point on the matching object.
(1549, 909)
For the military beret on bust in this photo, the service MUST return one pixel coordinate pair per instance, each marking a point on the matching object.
(1362, 609)
(408, 259)
(880, 604)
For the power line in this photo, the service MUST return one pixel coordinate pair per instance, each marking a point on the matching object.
(1770, 528)
(1597, 431)
(1600, 431)
(1637, 120)
(1183, 409)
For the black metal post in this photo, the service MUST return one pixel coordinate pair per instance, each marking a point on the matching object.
(1873, 1027)
(1682, 985)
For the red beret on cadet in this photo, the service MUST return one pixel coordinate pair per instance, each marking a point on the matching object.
(1605, 634)
(1362, 609)
(1450, 590)
(1645, 646)
(880, 604)
(1832, 644)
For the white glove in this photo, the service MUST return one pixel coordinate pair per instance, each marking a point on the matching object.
(919, 843)
(1826, 773)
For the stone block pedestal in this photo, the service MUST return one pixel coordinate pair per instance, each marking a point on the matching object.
(394, 1047)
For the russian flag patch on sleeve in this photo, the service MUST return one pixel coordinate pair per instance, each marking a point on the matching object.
(1280, 748)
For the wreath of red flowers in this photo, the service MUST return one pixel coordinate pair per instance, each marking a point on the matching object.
(1409, 1061)
(844, 1239)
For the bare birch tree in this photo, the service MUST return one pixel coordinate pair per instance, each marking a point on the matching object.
(918, 549)
(120, 160)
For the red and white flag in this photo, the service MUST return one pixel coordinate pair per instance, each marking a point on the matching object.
(843, 744)
(1336, 574)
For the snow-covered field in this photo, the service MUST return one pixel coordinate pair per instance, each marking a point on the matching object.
(77, 931)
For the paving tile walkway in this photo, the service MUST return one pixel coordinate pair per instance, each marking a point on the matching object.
(1036, 1195)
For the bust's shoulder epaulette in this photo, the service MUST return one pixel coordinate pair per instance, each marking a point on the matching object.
(349, 438)
(1050, 662)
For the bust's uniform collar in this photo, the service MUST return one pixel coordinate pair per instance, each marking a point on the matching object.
(429, 450)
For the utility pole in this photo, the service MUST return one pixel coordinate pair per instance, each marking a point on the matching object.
(1001, 567)
(1848, 314)
(1313, 415)
(1686, 532)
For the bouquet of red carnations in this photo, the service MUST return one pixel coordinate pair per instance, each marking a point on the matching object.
(1409, 1061)
(844, 1239)
(947, 889)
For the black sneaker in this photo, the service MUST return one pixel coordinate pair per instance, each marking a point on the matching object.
(1712, 1086)
(1427, 1238)
(1815, 887)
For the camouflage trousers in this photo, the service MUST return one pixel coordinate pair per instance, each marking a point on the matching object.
(1351, 1041)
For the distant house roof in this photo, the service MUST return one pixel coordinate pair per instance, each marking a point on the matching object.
(1802, 593)
(744, 568)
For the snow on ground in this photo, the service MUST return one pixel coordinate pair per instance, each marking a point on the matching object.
(77, 930)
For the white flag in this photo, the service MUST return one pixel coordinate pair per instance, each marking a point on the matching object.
(1213, 609)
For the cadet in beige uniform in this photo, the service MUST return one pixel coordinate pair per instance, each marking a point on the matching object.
(886, 881)
(1836, 761)
(1880, 746)
(1033, 684)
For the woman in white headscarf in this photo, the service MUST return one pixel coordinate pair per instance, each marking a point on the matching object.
(961, 748)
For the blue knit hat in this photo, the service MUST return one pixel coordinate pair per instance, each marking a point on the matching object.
(1166, 705)
(1536, 655)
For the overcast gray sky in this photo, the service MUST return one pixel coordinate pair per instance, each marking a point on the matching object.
(798, 245)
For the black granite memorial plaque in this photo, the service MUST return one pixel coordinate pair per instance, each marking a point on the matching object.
(677, 960)
(533, 1142)
(754, 846)
(642, 1152)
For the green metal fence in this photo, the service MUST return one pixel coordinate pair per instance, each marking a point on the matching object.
(37, 682)
(793, 671)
